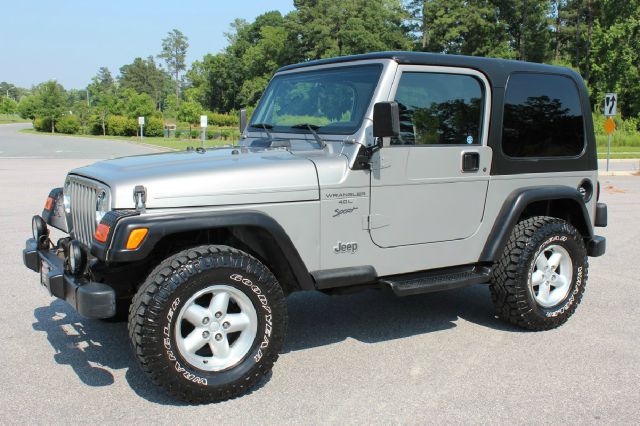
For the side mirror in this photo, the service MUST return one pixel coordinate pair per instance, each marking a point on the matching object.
(243, 120)
(386, 119)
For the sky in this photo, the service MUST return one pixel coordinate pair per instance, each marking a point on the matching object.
(69, 40)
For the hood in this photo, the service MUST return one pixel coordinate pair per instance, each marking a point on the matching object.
(221, 176)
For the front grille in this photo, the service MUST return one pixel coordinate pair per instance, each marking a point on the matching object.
(83, 197)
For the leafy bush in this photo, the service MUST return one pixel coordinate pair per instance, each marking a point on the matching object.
(153, 127)
(118, 125)
(69, 124)
(216, 119)
(8, 105)
(42, 124)
(95, 125)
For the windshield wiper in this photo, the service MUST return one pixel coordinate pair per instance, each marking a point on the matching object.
(265, 126)
(312, 128)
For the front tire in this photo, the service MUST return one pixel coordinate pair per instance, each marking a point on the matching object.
(539, 281)
(208, 323)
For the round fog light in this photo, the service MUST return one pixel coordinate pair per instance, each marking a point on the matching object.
(39, 229)
(77, 258)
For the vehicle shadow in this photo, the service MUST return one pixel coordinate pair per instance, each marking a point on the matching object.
(316, 319)
(92, 348)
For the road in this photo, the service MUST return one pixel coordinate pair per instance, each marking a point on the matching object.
(364, 358)
(14, 144)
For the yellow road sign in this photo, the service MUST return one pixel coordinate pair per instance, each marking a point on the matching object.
(609, 126)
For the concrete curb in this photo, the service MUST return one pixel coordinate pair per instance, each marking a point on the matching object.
(619, 173)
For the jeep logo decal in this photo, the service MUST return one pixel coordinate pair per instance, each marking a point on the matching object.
(345, 248)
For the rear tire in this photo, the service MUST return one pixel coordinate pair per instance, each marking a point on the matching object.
(539, 281)
(208, 323)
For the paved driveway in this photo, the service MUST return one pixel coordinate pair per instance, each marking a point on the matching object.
(14, 144)
(364, 358)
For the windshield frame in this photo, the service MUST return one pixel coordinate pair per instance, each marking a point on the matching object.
(380, 69)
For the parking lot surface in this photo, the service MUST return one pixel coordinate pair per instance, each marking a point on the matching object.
(367, 358)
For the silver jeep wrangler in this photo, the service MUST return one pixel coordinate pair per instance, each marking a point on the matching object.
(411, 172)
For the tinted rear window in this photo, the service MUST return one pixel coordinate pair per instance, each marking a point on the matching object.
(542, 117)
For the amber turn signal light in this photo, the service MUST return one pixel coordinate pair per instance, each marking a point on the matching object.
(48, 204)
(135, 238)
(102, 232)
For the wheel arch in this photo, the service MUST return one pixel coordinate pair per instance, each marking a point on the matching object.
(251, 231)
(563, 202)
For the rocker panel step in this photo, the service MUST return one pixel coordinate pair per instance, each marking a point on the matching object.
(437, 280)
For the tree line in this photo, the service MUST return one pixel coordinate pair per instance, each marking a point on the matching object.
(598, 38)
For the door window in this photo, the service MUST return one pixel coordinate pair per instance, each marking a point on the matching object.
(439, 109)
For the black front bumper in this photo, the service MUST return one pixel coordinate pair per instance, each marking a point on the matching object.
(90, 299)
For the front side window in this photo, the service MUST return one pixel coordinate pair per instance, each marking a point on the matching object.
(439, 109)
(332, 100)
(542, 117)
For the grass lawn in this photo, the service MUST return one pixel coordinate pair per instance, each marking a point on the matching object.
(11, 118)
(172, 143)
(619, 152)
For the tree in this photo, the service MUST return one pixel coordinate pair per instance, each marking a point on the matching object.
(81, 110)
(8, 105)
(28, 107)
(144, 76)
(102, 92)
(51, 102)
(328, 28)
(174, 52)
(472, 27)
(11, 91)
(189, 112)
(133, 104)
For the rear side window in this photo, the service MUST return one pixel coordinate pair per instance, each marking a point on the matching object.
(439, 109)
(542, 117)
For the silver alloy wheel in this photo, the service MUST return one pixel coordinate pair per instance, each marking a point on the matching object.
(216, 339)
(551, 276)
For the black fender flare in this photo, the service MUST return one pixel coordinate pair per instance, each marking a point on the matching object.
(513, 207)
(163, 225)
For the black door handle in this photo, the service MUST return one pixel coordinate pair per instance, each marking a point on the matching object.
(470, 161)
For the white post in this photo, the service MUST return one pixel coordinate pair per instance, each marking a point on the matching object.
(141, 123)
(203, 126)
(608, 150)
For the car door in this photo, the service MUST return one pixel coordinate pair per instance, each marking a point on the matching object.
(429, 184)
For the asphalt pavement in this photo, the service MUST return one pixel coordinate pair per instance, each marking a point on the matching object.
(366, 358)
(15, 144)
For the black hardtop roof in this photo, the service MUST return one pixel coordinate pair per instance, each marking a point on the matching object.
(497, 70)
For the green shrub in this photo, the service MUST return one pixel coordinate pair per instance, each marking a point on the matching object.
(42, 124)
(154, 126)
(94, 125)
(118, 125)
(69, 124)
(216, 119)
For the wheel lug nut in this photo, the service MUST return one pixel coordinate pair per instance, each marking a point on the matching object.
(205, 334)
(218, 337)
(218, 314)
(205, 320)
(225, 325)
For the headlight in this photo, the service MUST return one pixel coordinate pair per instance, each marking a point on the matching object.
(39, 229)
(102, 205)
(77, 258)
(66, 196)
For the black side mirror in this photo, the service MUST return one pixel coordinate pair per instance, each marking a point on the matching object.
(386, 119)
(243, 120)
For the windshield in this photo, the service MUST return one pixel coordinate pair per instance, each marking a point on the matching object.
(333, 101)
